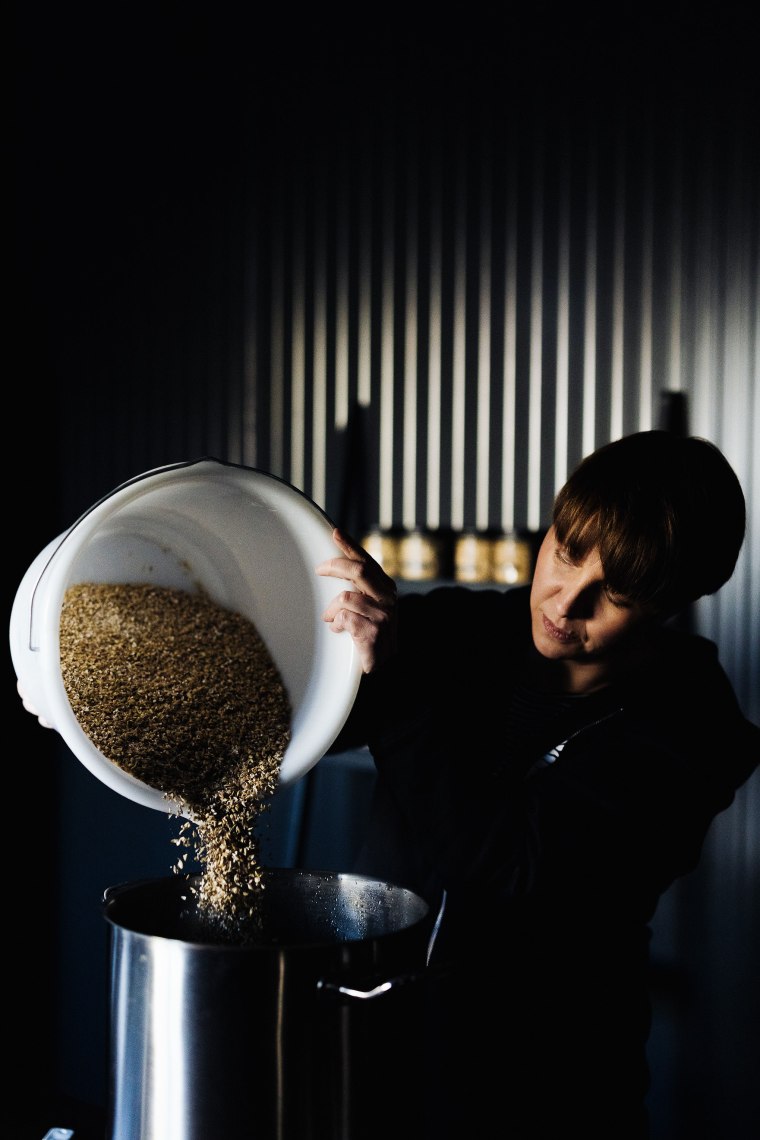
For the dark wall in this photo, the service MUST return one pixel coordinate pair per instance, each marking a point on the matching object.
(133, 165)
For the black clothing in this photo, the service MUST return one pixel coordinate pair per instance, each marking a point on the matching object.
(549, 873)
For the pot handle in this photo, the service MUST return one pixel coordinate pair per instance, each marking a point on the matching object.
(112, 892)
(381, 988)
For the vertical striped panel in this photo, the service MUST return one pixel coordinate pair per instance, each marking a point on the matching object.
(342, 304)
(459, 469)
(483, 489)
(364, 285)
(645, 333)
(387, 441)
(562, 396)
(675, 295)
(435, 319)
(277, 378)
(296, 421)
(617, 366)
(319, 393)
(588, 437)
(409, 517)
(533, 517)
(499, 302)
(509, 381)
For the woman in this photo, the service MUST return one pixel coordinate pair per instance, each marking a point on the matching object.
(549, 760)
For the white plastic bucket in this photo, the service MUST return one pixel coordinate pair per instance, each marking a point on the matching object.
(250, 542)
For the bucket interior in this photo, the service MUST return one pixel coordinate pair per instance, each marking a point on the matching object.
(244, 538)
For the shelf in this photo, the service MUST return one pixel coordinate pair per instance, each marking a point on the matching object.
(408, 586)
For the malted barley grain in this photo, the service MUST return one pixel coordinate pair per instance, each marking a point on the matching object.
(183, 694)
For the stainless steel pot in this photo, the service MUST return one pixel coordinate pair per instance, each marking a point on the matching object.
(311, 1032)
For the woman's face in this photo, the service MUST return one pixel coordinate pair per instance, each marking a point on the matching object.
(575, 617)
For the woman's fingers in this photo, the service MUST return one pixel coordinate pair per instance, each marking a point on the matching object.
(30, 707)
(366, 610)
(359, 568)
(370, 626)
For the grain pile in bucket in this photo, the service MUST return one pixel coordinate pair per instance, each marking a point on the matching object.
(184, 695)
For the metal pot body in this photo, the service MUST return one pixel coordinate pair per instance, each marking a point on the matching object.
(312, 1031)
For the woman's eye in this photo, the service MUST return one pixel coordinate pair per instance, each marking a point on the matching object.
(563, 556)
(618, 600)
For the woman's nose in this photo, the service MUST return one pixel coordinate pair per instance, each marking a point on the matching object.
(563, 602)
(573, 600)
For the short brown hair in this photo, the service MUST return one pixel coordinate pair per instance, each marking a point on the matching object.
(666, 512)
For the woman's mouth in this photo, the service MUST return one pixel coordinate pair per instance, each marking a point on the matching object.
(562, 635)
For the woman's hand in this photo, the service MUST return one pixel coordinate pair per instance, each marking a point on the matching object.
(368, 611)
(30, 707)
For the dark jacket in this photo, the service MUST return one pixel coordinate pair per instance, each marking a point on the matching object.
(551, 874)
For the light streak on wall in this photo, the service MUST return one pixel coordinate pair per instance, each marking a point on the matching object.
(509, 416)
(245, 432)
(433, 502)
(319, 384)
(562, 396)
(705, 305)
(409, 517)
(483, 426)
(645, 344)
(616, 429)
(676, 274)
(535, 367)
(364, 386)
(588, 436)
(342, 306)
(297, 423)
(386, 448)
(458, 378)
(277, 341)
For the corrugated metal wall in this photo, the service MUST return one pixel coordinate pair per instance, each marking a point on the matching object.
(451, 313)
(481, 303)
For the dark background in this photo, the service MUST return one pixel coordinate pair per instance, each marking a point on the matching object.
(137, 130)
